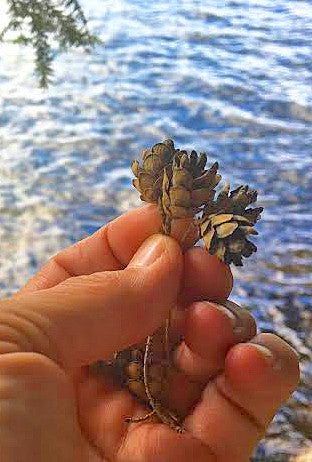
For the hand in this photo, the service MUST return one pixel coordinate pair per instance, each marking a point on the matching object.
(103, 294)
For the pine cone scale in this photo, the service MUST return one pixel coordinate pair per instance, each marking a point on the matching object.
(226, 229)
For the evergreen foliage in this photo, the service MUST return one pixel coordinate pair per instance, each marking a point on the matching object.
(39, 23)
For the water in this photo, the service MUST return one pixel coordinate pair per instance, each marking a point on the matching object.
(230, 78)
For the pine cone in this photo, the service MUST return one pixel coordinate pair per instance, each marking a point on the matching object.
(183, 192)
(149, 176)
(174, 180)
(226, 223)
(127, 368)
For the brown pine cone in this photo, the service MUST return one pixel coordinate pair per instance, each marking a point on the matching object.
(226, 223)
(149, 176)
(183, 192)
(176, 181)
(127, 367)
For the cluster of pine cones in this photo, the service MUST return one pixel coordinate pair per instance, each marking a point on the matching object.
(183, 188)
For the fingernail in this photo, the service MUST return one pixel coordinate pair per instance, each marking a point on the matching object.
(268, 355)
(149, 252)
(225, 311)
(238, 328)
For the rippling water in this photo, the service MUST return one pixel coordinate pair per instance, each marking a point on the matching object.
(229, 78)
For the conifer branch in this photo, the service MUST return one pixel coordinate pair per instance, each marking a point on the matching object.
(40, 22)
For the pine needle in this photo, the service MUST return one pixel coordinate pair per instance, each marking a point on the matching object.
(41, 23)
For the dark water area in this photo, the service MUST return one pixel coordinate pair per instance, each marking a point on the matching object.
(232, 79)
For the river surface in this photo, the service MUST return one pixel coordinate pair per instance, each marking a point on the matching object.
(233, 79)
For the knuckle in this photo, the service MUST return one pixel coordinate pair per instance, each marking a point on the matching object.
(22, 329)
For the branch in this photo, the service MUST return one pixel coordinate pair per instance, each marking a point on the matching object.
(40, 22)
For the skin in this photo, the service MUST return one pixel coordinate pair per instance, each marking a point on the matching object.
(104, 294)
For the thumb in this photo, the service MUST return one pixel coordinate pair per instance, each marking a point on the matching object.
(87, 318)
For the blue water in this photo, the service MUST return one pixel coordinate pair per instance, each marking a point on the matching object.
(230, 78)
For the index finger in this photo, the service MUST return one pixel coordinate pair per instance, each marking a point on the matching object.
(112, 247)
(108, 249)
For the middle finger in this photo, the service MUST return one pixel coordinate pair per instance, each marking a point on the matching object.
(210, 331)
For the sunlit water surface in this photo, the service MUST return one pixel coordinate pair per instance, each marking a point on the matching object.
(230, 78)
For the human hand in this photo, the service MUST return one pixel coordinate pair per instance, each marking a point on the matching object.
(100, 296)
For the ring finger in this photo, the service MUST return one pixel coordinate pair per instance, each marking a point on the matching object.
(210, 330)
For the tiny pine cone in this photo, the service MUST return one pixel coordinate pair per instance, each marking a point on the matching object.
(226, 224)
